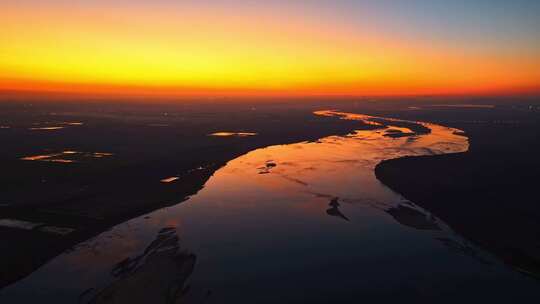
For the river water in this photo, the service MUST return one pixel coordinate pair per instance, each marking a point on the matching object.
(298, 223)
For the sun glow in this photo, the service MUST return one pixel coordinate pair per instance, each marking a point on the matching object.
(193, 50)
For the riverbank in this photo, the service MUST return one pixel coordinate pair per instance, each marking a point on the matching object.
(488, 194)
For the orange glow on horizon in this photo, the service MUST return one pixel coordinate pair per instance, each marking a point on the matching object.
(158, 52)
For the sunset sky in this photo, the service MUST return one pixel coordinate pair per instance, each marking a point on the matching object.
(235, 47)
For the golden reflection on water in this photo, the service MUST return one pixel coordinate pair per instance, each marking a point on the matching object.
(170, 179)
(67, 156)
(101, 154)
(440, 139)
(229, 134)
(52, 126)
(46, 128)
(334, 166)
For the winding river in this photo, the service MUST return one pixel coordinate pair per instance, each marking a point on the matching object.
(300, 223)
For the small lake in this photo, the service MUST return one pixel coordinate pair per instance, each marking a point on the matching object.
(299, 223)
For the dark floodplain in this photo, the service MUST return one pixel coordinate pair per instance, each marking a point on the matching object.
(424, 199)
